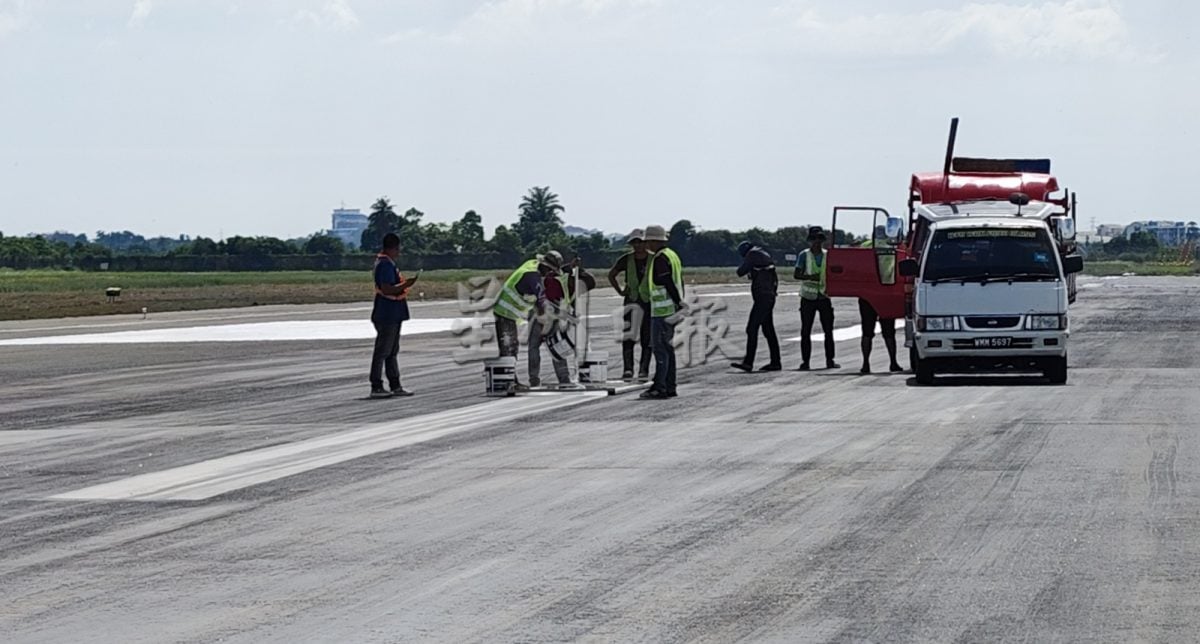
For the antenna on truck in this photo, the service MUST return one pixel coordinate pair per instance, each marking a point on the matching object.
(950, 150)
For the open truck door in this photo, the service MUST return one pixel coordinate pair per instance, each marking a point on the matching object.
(868, 270)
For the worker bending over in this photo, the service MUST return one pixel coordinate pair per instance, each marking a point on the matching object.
(522, 296)
(560, 298)
(758, 266)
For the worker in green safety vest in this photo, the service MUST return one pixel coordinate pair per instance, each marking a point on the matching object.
(886, 263)
(636, 293)
(664, 277)
(561, 293)
(810, 270)
(522, 295)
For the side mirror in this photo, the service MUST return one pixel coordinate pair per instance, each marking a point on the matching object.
(894, 227)
(1064, 229)
(910, 267)
(1073, 264)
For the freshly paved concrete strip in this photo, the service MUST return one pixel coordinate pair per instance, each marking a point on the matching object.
(214, 477)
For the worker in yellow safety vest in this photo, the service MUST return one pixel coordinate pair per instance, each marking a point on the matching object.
(810, 270)
(636, 293)
(522, 295)
(664, 276)
(886, 263)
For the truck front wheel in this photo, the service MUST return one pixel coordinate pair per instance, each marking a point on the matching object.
(924, 372)
(1056, 370)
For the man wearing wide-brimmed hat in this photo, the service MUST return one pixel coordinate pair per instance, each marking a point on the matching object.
(814, 300)
(665, 278)
(636, 291)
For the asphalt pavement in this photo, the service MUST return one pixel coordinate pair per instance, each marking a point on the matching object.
(221, 476)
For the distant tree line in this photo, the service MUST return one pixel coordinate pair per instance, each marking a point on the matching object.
(462, 243)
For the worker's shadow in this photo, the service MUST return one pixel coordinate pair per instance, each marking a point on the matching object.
(984, 381)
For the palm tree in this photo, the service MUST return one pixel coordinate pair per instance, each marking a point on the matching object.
(539, 220)
(382, 220)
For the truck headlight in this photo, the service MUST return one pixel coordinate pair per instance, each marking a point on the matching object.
(939, 323)
(1046, 322)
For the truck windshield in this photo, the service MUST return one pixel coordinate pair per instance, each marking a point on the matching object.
(990, 254)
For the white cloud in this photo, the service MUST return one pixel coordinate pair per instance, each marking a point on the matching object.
(1071, 29)
(13, 16)
(141, 11)
(333, 14)
(538, 21)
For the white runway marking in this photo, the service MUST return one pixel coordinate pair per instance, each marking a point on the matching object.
(249, 332)
(844, 333)
(217, 476)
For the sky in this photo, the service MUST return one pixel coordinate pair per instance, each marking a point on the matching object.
(225, 117)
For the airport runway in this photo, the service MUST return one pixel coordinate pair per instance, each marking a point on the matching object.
(220, 476)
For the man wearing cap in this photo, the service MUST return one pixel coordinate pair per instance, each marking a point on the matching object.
(560, 294)
(522, 295)
(814, 300)
(758, 266)
(637, 304)
(665, 278)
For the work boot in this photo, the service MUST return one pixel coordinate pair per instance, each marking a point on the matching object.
(742, 366)
(643, 375)
(627, 375)
(774, 366)
(380, 392)
(895, 368)
(401, 391)
(653, 394)
(803, 366)
(830, 364)
(866, 369)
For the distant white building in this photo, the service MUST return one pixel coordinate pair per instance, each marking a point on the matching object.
(1169, 233)
(348, 225)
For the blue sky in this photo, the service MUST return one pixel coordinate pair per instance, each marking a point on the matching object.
(239, 117)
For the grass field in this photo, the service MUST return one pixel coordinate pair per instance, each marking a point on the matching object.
(26, 295)
(1121, 268)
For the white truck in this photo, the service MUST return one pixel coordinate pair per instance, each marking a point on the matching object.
(986, 268)
(991, 289)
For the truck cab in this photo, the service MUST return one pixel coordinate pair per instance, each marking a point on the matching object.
(990, 291)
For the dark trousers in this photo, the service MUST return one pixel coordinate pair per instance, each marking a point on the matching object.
(641, 330)
(762, 316)
(536, 339)
(506, 337)
(808, 311)
(387, 347)
(662, 336)
(869, 318)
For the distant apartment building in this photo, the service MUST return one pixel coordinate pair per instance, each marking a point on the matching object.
(348, 226)
(1169, 233)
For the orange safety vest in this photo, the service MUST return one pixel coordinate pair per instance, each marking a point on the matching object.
(379, 259)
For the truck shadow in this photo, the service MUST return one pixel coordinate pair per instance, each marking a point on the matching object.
(985, 381)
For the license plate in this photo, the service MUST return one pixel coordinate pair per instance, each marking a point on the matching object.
(993, 343)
